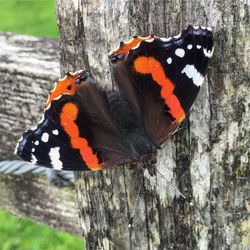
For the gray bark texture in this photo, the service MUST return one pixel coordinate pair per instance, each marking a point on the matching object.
(208, 160)
(28, 68)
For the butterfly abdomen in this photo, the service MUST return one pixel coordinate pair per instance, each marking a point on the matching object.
(134, 132)
(122, 112)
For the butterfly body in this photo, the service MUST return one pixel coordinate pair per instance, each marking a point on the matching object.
(87, 127)
(135, 135)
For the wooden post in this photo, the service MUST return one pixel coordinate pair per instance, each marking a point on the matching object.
(28, 67)
(208, 160)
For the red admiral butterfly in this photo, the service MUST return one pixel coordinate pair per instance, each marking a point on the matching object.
(86, 127)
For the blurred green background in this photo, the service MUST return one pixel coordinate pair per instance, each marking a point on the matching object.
(33, 17)
(19, 234)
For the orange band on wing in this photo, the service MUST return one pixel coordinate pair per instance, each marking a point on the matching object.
(64, 86)
(125, 47)
(68, 117)
(149, 65)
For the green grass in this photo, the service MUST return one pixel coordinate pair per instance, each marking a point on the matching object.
(20, 234)
(33, 17)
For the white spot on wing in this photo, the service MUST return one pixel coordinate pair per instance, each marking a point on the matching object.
(60, 96)
(55, 132)
(78, 72)
(18, 145)
(192, 73)
(150, 40)
(33, 159)
(208, 53)
(165, 39)
(33, 150)
(15, 151)
(45, 137)
(198, 46)
(36, 142)
(177, 36)
(169, 60)
(48, 106)
(54, 155)
(180, 52)
(190, 46)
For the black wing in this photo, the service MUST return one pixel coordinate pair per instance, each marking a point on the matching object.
(77, 131)
(162, 77)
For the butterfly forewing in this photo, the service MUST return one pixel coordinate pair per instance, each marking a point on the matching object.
(77, 132)
(164, 77)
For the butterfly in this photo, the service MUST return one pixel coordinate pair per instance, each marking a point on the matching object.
(88, 127)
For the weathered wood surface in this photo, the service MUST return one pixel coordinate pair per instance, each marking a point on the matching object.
(28, 68)
(208, 161)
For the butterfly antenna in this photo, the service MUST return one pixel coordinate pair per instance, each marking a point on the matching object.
(130, 223)
(171, 184)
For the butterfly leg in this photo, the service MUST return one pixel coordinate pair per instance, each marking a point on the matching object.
(151, 169)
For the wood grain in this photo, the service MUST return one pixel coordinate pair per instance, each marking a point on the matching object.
(28, 68)
(208, 160)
